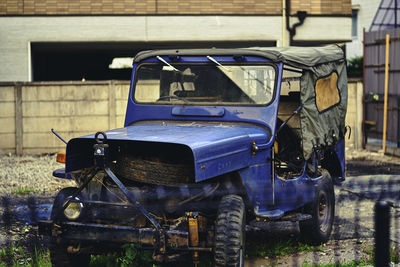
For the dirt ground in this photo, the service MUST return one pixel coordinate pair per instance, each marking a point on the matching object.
(363, 162)
(368, 175)
(353, 229)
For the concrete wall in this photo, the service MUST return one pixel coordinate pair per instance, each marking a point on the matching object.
(29, 110)
(354, 114)
(7, 118)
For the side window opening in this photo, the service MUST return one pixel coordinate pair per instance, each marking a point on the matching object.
(327, 92)
(288, 148)
(290, 98)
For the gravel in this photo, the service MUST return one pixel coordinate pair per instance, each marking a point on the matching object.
(367, 155)
(34, 172)
(30, 173)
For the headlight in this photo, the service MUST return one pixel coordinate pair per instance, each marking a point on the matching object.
(74, 209)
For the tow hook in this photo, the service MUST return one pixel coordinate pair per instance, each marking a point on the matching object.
(100, 150)
(74, 250)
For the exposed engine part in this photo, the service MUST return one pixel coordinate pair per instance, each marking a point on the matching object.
(194, 235)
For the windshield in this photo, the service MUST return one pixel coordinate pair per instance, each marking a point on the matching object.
(227, 84)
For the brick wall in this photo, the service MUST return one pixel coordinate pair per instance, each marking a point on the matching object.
(162, 7)
(329, 7)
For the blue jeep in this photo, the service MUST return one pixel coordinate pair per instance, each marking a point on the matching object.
(213, 139)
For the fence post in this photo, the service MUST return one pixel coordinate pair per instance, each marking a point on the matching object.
(385, 104)
(18, 119)
(111, 105)
(382, 234)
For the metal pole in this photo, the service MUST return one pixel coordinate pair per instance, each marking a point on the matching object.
(382, 234)
(395, 14)
(386, 93)
(284, 31)
(364, 135)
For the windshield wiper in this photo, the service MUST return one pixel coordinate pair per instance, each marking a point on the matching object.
(219, 64)
(174, 97)
(166, 63)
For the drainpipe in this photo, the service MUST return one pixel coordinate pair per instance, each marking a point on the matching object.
(285, 35)
(395, 14)
(301, 15)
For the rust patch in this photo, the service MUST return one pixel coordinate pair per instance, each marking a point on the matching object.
(177, 240)
(193, 232)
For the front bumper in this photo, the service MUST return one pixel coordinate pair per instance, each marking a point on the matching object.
(159, 237)
(91, 232)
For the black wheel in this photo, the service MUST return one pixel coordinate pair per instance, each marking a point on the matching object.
(318, 229)
(59, 255)
(230, 232)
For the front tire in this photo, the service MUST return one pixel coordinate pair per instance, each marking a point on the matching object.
(230, 232)
(317, 230)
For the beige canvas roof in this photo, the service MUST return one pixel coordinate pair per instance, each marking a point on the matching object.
(299, 57)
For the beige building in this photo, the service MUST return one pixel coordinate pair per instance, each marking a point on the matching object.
(363, 12)
(43, 40)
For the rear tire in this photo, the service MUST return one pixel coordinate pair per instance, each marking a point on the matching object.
(230, 232)
(317, 230)
(58, 252)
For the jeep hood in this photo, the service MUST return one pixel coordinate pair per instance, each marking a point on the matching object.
(217, 148)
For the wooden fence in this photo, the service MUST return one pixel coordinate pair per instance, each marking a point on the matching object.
(374, 81)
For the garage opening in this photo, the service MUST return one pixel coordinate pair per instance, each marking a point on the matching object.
(77, 61)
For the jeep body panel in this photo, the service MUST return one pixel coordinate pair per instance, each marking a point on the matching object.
(217, 148)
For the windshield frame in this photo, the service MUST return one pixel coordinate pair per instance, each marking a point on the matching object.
(203, 60)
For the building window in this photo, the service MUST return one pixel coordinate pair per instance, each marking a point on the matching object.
(354, 23)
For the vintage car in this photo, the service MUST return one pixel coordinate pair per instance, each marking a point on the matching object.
(213, 139)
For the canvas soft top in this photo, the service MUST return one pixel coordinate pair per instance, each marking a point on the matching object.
(299, 57)
(323, 85)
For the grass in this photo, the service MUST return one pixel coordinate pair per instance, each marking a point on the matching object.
(15, 255)
(353, 263)
(394, 254)
(25, 190)
(366, 260)
(280, 247)
(283, 247)
(131, 255)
